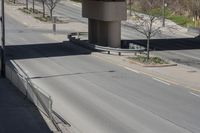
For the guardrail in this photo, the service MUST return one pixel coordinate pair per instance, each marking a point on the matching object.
(194, 30)
(133, 48)
(41, 99)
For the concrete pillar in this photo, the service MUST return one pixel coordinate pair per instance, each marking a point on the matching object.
(104, 21)
(109, 33)
(92, 30)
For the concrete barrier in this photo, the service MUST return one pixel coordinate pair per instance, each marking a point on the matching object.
(40, 98)
(194, 30)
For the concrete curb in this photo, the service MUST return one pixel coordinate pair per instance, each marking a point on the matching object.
(151, 65)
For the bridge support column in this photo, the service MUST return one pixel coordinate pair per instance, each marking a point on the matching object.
(92, 30)
(109, 33)
(104, 21)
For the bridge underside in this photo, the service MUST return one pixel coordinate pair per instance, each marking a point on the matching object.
(104, 21)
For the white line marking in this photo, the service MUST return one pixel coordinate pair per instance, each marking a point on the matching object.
(159, 80)
(187, 55)
(132, 70)
(76, 5)
(25, 23)
(195, 94)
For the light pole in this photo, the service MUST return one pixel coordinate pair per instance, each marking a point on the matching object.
(3, 60)
(130, 8)
(164, 6)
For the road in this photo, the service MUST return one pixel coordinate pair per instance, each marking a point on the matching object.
(99, 97)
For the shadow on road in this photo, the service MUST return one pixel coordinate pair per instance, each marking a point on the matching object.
(17, 114)
(27, 51)
(167, 44)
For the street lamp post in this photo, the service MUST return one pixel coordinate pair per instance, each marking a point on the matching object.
(130, 8)
(3, 60)
(164, 6)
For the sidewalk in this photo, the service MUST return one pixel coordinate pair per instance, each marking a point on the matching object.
(17, 114)
(31, 23)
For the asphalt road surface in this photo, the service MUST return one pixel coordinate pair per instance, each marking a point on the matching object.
(96, 96)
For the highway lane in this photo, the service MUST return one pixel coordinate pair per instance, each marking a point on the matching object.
(96, 96)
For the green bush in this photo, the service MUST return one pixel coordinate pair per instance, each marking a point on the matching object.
(151, 60)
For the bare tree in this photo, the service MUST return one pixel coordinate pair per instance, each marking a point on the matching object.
(26, 4)
(51, 4)
(195, 10)
(130, 6)
(33, 6)
(146, 22)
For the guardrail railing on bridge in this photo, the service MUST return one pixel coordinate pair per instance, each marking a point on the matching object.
(75, 38)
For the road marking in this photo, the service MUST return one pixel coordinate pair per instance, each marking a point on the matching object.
(160, 80)
(165, 80)
(168, 82)
(25, 23)
(76, 5)
(195, 94)
(195, 90)
(136, 71)
(187, 55)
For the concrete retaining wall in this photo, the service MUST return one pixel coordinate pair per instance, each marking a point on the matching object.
(40, 98)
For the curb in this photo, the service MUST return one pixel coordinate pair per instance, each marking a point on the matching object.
(150, 65)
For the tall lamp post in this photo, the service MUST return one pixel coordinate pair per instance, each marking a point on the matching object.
(130, 7)
(164, 8)
(3, 60)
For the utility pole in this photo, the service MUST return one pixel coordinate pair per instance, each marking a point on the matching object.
(163, 10)
(3, 60)
(130, 8)
(33, 6)
(26, 4)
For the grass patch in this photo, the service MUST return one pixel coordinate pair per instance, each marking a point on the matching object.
(151, 60)
(181, 20)
(43, 19)
(36, 14)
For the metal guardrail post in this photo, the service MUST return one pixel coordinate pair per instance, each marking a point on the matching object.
(54, 24)
(78, 35)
